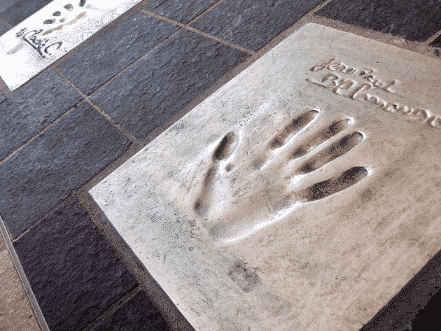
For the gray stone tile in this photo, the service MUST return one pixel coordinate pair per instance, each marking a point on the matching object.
(137, 314)
(71, 269)
(33, 108)
(104, 57)
(21, 10)
(414, 20)
(182, 11)
(3, 28)
(5, 4)
(61, 159)
(165, 80)
(252, 24)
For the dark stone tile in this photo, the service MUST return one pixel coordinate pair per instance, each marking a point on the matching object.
(32, 108)
(71, 269)
(21, 10)
(436, 42)
(119, 46)
(413, 20)
(2, 98)
(3, 28)
(428, 318)
(182, 11)
(252, 24)
(162, 82)
(63, 158)
(137, 314)
(5, 4)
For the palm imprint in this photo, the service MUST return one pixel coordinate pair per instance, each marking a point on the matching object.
(249, 187)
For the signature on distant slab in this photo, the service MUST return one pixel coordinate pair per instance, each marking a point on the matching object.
(40, 45)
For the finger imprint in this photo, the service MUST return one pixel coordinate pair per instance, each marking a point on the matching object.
(295, 125)
(334, 151)
(331, 186)
(223, 148)
(321, 137)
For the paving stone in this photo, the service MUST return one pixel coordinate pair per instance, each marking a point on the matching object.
(5, 4)
(247, 216)
(179, 10)
(115, 49)
(61, 159)
(33, 108)
(162, 82)
(21, 10)
(3, 28)
(71, 269)
(137, 314)
(252, 24)
(15, 310)
(412, 20)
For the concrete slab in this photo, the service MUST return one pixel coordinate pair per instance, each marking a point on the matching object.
(15, 310)
(53, 31)
(303, 194)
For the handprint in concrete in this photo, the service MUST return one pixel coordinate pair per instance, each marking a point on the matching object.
(247, 188)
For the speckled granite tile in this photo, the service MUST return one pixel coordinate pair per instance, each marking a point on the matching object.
(63, 158)
(105, 56)
(71, 269)
(415, 20)
(33, 108)
(21, 10)
(182, 11)
(164, 81)
(252, 24)
(137, 314)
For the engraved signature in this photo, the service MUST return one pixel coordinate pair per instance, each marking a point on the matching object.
(354, 90)
(40, 45)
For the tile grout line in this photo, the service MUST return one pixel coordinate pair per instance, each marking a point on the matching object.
(26, 286)
(10, 26)
(110, 119)
(188, 27)
(120, 303)
(432, 38)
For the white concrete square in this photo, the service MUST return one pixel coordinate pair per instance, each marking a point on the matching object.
(49, 34)
(302, 195)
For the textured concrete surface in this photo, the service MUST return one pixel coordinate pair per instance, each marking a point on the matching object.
(178, 10)
(33, 108)
(251, 24)
(61, 159)
(413, 20)
(302, 168)
(136, 314)
(21, 10)
(114, 50)
(71, 269)
(15, 311)
(164, 81)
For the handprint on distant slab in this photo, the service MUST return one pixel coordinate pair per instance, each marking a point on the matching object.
(247, 188)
